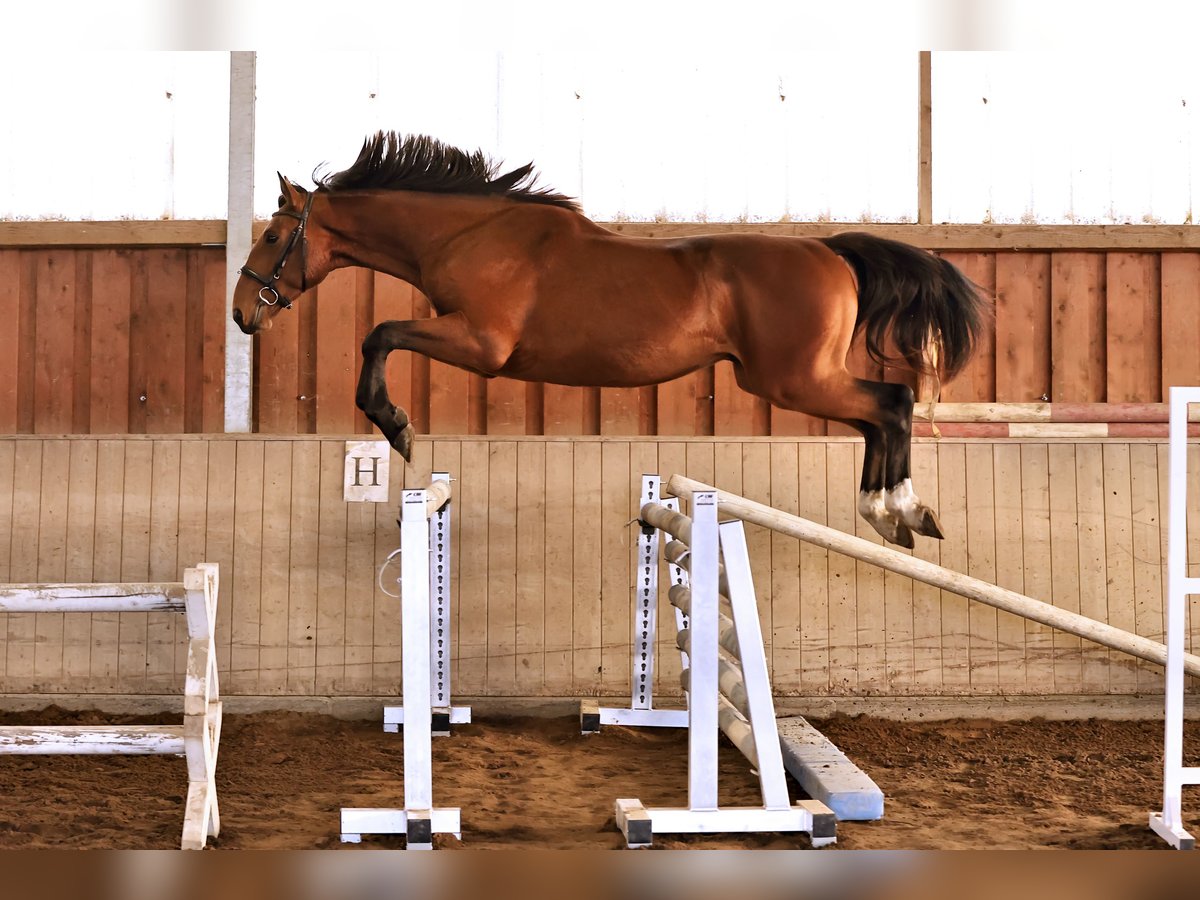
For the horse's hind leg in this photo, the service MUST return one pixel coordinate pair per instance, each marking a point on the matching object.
(872, 494)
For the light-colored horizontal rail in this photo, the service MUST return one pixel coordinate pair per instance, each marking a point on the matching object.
(129, 740)
(930, 573)
(198, 232)
(56, 598)
(1085, 413)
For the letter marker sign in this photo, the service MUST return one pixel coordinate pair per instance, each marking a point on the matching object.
(366, 473)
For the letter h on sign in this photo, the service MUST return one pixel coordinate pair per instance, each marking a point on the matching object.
(366, 472)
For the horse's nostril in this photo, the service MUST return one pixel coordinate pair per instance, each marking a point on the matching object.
(237, 316)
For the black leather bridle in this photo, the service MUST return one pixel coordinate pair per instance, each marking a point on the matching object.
(268, 294)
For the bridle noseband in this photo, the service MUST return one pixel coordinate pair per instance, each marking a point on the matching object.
(268, 295)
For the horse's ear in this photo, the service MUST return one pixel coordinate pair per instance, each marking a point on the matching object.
(289, 193)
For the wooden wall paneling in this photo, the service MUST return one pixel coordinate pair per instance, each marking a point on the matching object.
(164, 328)
(812, 565)
(139, 336)
(736, 412)
(1180, 319)
(531, 596)
(587, 547)
(54, 330)
(10, 312)
(955, 610)
(680, 402)
(331, 562)
(246, 576)
(212, 399)
(80, 546)
(558, 554)
(977, 382)
(276, 569)
(51, 561)
(1134, 334)
(1064, 564)
(1093, 586)
(672, 458)
(617, 536)
(193, 315)
(110, 342)
(337, 356)
(1147, 555)
(1035, 515)
(1023, 329)
(926, 599)
(789, 423)
(21, 636)
(506, 406)
(386, 667)
(785, 575)
(1118, 548)
(219, 544)
(473, 549)
(449, 399)
(303, 556)
(870, 601)
(1193, 528)
(842, 496)
(106, 561)
(193, 524)
(981, 563)
(135, 561)
(1010, 564)
(755, 477)
(564, 410)
(309, 347)
(1077, 328)
(161, 635)
(620, 411)
(502, 568)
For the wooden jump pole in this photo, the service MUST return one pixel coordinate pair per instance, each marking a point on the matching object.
(933, 574)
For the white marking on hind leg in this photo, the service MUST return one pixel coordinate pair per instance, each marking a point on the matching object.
(903, 503)
(872, 506)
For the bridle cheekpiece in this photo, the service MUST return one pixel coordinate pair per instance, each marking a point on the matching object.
(268, 294)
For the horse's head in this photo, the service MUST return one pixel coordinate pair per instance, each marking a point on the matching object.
(276, 271)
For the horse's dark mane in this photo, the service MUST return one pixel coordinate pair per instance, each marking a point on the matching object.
(389, 161)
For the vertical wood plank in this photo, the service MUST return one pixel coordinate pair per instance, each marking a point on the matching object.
(756, 485)
(1180, 319)
(360, 572)
(81, 350)
(616, 583)
(110, 341)
(676, 405)
(926, 599)
(813, 568)
(51, 562)
(981, 563)
(303, 555)
(620, 411)
(164, 328)
(1035, 503)
(276, 374)
(1010, 565)
(955, 610)
(869, 601)
(161, 636)
(1077, 328)
(219, 544)
(564, 410)
(531, 576)
(558, 562)
(106, 561)
(736, 412)
(1064, 564)
(787, 623)
(135, 561)
(1118, 547)
(977, 382)
(506, 412)
(26, 339)
(81, 529)
(212, 400)
(586, 564)
(54, 330)
(1147, 555)
(1022, 327)
(1093, 587)
(337, 357)
(21, 640)
(276, 567)
(502, 565)
(10, 312)
(474, 519)
(1134, 336)
(193, 523)
(842, 494)
(331, 572)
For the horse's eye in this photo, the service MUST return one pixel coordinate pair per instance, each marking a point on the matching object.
(272, 237)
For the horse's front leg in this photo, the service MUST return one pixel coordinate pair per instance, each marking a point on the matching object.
(447, 339)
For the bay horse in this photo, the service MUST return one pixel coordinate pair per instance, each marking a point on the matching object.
(525, 286)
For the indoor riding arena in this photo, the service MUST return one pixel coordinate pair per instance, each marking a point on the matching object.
(657, 572)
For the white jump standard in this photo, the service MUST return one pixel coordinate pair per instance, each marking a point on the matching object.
(744, 710)
(445, 713)
(418, 820)
(199, 735)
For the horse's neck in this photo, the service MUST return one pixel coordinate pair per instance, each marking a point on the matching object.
(400, 233)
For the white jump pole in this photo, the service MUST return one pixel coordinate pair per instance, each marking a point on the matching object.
(1168, 823)
(931, 573)
(418, 820)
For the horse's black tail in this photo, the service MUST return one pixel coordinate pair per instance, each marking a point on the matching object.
(924, 302)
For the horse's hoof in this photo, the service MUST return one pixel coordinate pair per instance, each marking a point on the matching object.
(904, 537)
(404, 442)
(929, 524)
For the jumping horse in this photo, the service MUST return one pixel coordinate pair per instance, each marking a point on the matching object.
(524, 286)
